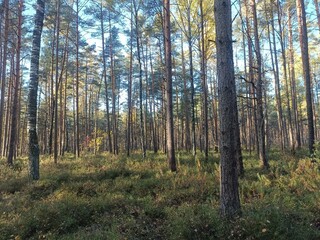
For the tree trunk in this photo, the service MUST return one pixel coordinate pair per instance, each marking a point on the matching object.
(193, 118)
(297, 141)
(303, 35)
(169, 106)
(187, 143)
(33, 90)
(316, 4)
(52, 99)
(252, 121)
(229, 195)
(138, 40)
(285, 72)
(14, 114)
(4, 68)
(105, 79)
(114, 90)
(55, 136)
(275, 68)
(204, 86)
(259, 92)
(129, 119)
(77, 136)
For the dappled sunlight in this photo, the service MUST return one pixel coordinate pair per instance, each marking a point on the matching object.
(97, 196)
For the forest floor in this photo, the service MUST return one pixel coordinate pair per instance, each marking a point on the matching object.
(109, 197)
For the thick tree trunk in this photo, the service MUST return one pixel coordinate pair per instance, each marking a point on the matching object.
(33, 90)
(229, 195)
(169, 107)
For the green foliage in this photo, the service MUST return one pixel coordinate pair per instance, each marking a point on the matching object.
(114, 197)
(316, 153)
(194, 222)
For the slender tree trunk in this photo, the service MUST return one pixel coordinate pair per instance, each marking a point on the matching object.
(204, 85)
(285, 72)
(7, 126)
(129, 123)
(114, 89)
(316, 4)
(187, 143)
(301, 14)
(1, 57)
(259, 92)
(152, 107)
(33, 90)
(14, 114)
(52, 99)
(55, 137)
(275, 67)
(193, 119)
(64, 143)
(77, 136)
(142, 133)
(105, 79)
(253, 135)
(229, 193)
(297, 141)
(4, 68)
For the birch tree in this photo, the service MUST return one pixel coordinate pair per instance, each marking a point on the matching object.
(33, 92)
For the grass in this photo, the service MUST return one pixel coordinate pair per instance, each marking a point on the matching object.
(108, 197)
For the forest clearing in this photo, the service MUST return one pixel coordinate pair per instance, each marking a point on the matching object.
(115, 197)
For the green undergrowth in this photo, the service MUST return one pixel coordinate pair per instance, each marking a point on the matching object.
(115, 197)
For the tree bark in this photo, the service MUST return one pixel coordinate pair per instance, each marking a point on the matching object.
(55, 136)
(14, 114)
(297, 141)
(316, 4)
(303, 35)
(4, 68)
(275, 68)
(285, 72)
(105, 78)
(129, 119)
(169, 107)
(77, 132)
(138, 40)
(259, 92)
(33, 90)
(204, 86)
(229, 193)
